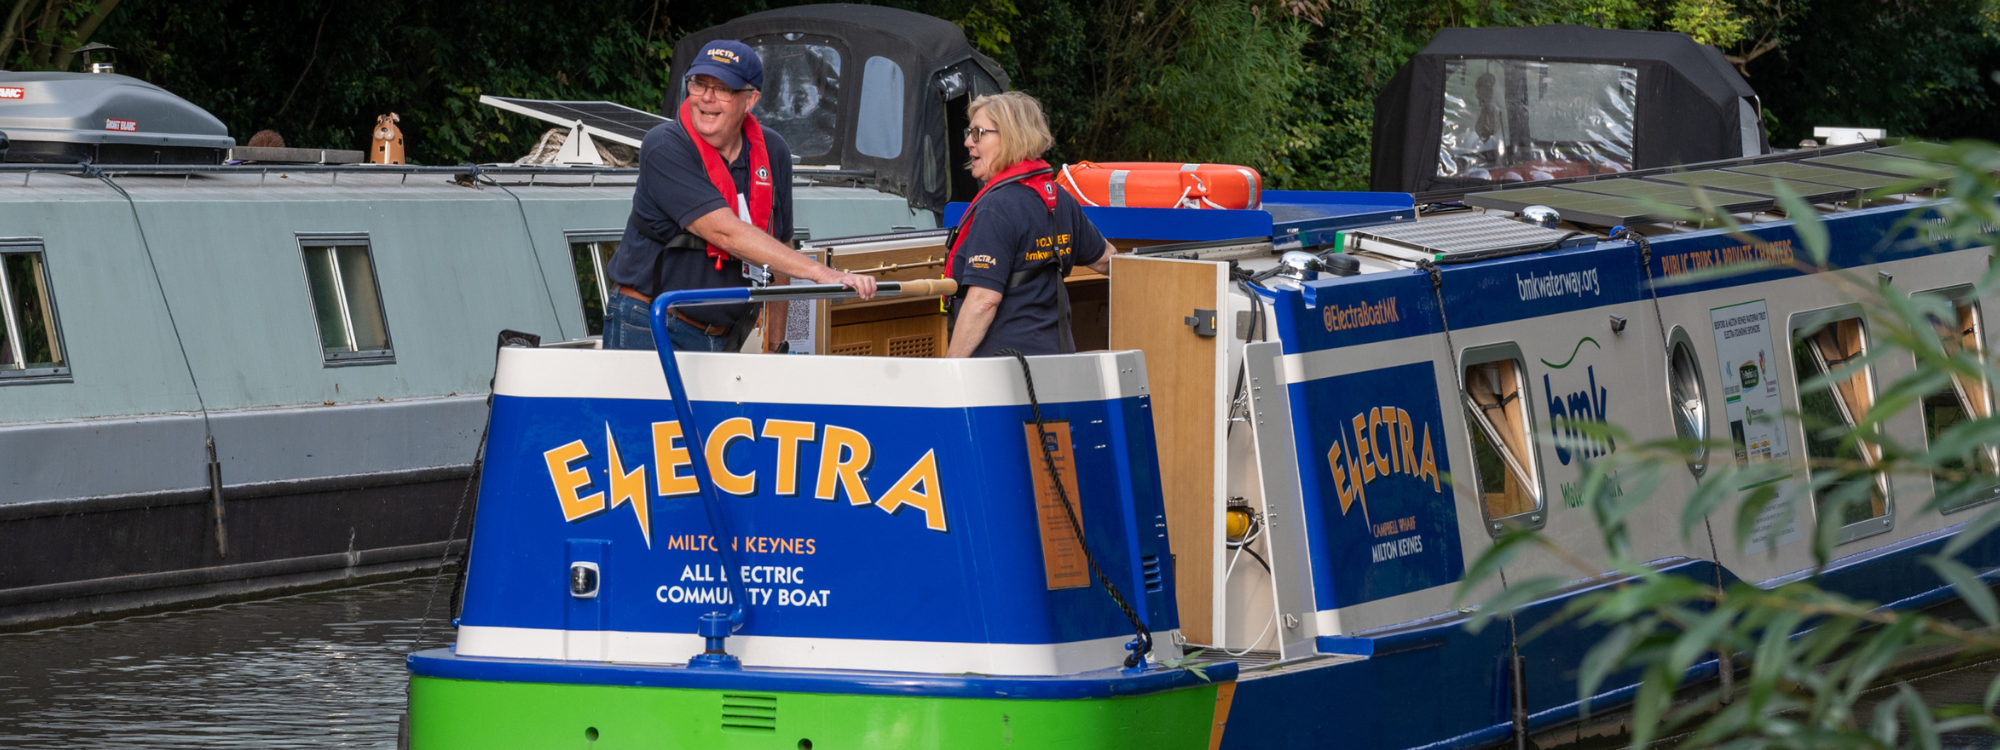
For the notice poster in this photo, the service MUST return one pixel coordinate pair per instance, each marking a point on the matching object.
(1747, 348)
(1062, 553)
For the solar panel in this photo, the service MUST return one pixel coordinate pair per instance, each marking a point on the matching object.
(613, 122)
(1756, 185)
(1416, 240)
(1914, 150)
(1581, 208)
(1821, 175)
(1869, 161)
(1678, 195)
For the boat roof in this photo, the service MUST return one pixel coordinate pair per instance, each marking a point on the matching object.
(1391, 231)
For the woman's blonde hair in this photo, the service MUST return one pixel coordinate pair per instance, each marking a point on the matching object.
(1023, 131)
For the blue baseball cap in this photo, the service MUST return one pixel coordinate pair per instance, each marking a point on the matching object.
(731, 61)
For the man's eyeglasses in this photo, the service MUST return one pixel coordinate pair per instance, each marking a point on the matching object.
(976, 133)
(696, 87)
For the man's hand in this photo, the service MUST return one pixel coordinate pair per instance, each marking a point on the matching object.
(862, 284)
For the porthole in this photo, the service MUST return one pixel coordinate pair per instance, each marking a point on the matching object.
(1688, 399)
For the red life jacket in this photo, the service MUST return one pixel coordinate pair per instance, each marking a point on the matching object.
(1043, 184)
(718, 174)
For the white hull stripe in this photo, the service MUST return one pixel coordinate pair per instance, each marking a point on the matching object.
(855, 381)
(811, 653)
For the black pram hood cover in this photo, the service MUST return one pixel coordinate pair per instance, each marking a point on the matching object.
(1485, 106)
(860, 86)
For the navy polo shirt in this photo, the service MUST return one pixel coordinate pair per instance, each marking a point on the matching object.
(1012, 232)
(673, 191)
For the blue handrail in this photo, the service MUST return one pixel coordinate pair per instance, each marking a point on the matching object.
(691, 434)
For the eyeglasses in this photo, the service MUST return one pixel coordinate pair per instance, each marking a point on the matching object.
(976, 133)
(695, 87)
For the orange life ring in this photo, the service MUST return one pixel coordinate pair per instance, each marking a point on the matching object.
(1163, 184)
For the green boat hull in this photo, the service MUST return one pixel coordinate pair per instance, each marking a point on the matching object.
(446, 714)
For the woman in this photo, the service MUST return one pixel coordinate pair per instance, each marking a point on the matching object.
(1018, 239)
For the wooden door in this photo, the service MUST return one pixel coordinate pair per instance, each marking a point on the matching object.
(1151, 300)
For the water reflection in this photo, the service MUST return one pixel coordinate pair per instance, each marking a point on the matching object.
(323, 670)
(319, 669)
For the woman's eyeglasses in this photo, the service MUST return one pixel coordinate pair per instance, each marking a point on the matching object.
(976, 133)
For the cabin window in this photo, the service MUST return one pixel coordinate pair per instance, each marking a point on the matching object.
(801, 95)
(1496, 399)
(1840, 467)
(1977, 471)
(878, 131)
(30, 343)
(347, 304)
(1533, 120)
(1687, 397)
(589, 256)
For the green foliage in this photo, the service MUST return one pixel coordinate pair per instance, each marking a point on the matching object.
(1287, 86)
(1222, 96)
(320, 72)
(1710, 22)
(1804, 655)
(1914, 67)
(1208, 80)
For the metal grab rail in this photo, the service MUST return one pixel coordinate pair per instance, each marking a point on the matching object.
(715, 626)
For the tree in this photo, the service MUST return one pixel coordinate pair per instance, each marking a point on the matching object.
(44, 40)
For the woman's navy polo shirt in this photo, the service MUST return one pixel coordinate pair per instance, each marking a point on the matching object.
(1011, 232)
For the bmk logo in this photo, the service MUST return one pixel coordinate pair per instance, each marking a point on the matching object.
(1586, 405)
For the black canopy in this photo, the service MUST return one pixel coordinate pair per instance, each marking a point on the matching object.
(1483, 106)
(863, 87)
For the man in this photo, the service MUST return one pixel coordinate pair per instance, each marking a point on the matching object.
(714, 193)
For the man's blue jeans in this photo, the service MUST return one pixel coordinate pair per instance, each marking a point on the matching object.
(628, 325)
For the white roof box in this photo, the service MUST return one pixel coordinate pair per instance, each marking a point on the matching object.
(104, 118)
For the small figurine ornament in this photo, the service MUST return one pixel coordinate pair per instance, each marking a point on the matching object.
(388, 145)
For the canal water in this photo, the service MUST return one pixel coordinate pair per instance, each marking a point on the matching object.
(323, 669)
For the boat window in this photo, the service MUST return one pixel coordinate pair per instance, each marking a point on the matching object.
(879, 129)
(1977, 471)
(1503, 453)
(1688, 398)
(30, 343)
(589, 256)
(1839, 466)
(1512, 120)
(801, 95)
(340, 275)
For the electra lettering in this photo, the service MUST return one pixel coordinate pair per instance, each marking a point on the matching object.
(1383, 441)
(587, 486)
